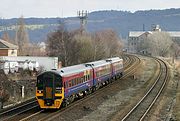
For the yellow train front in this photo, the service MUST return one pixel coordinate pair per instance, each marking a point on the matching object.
(49, 90)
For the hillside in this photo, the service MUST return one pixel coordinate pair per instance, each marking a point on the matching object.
(120, 21)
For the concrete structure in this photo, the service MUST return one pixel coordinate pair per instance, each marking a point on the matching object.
(7, 49)
(45, 63)
(137, 37)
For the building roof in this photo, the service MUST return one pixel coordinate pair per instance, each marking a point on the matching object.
(174, 33)
(6, 45)
(135, 33)
(139, 33)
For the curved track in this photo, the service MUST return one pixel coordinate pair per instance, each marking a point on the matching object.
(141, 109)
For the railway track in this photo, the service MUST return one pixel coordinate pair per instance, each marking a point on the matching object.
(77, 105)
(31, 110)
(141, 109)
(8, 114)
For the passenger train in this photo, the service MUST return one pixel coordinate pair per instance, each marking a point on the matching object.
(60, 87)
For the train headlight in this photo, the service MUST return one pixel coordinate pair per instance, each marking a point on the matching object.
(40, 91)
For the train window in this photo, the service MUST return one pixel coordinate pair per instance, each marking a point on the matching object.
(39, 84)
(70, 84)
(67, 84)
(82, 79)
(48, 79)
(88, 76)
(79, 80)
(73, 82)
(97, 74)
(85, 78)
(58, 81)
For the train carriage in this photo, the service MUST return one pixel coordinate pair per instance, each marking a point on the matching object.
(76, 81)
(117, 66)
(102, 72)
(61, 86)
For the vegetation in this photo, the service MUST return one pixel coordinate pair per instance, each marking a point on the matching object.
(159, 44)
(22, 39)
(74, 47)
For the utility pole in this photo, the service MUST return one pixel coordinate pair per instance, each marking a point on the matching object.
(143, 27)
(82, 15)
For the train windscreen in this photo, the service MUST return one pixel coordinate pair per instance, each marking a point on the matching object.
(49, 82)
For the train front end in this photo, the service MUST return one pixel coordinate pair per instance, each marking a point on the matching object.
(49, 90)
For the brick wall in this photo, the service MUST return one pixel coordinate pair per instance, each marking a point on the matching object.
(3, 52)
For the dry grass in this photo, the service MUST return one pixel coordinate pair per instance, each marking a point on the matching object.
(123, 98)
(176, 111)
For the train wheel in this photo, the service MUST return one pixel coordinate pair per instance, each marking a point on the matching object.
(71, 98)
(89, 91)
(65, 103)
(93, 89)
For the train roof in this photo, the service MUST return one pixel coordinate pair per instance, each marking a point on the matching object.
(114, 59)
(82, 67)
(69, 70)
(98, 63)
(73, 69)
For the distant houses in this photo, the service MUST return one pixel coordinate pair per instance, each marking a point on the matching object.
(7, 49)
(135, 37)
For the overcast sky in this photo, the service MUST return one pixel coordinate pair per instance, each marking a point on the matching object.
(66, 8)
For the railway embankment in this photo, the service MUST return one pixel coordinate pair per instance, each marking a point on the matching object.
(176, 107)
(19, 87)
(168, 105)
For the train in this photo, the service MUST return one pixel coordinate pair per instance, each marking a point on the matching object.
(60, 87)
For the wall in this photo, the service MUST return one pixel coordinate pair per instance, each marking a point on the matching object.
(12, 52)
(3, 52)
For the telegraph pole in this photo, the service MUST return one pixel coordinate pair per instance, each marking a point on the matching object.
(82, 15)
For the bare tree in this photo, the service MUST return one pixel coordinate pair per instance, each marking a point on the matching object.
(112, 44)
(22, 39)
(159, 44)
(85, 53)
(4, 95)
(6, 36)
(36, 50)
(61, 44)
(175, 51)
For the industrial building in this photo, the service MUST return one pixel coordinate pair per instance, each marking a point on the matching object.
(135, 37)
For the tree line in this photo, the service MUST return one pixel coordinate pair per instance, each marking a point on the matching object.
(159, 44)
(75, 47)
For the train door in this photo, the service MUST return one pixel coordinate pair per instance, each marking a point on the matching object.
(48, 88)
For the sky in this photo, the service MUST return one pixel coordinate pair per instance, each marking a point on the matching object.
(69, 8)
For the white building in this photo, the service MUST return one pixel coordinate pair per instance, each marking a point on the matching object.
(135, 37)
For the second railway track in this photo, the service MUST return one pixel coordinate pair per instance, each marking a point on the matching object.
(141, 109)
